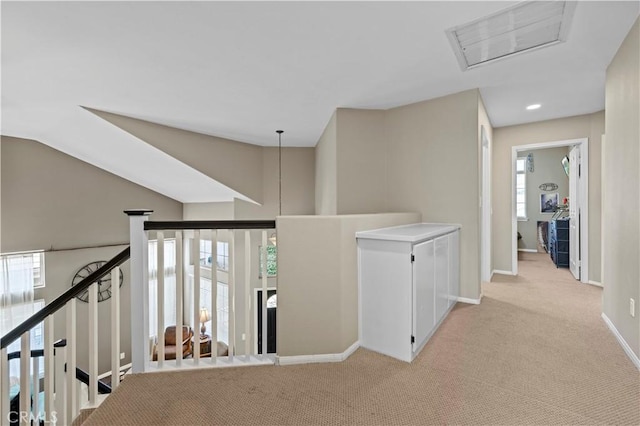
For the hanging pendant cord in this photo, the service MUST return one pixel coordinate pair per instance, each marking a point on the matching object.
(280, 132)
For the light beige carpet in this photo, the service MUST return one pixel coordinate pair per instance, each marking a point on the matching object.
(534, 352)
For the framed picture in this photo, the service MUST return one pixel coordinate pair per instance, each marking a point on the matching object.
(549, 203)
(272, 261)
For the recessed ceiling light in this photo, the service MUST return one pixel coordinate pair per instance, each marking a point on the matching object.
(534, 106)
(523, 27)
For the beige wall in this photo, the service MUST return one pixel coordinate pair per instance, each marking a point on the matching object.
(621, 224)
(589, 126)
(361, 159)
(547, 168)
(249, 169)
(318, 280)
(234, 164)
(326, 170)
(422, 157)
(207, 211)
(298, 188)
(433, 168)
(52, 200)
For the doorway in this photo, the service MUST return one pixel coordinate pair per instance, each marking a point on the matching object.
(272, 305)
(577, 191)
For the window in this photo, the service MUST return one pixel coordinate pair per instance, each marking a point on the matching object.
(521, 188)
(205, 257)
(20, 273)
(169, 284)
(205, 253)
(223, 256)
(12, 316)
(222, 305)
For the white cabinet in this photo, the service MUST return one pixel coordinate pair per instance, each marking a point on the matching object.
(408, 280)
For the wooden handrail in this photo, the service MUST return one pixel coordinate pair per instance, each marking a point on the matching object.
(209, 224)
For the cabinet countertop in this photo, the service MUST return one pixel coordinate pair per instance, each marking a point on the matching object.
(412, 233)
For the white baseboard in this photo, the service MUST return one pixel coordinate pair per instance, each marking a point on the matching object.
(498, 271)
(528, 250)
(627, 349)
(311, 359)
(596, 283)
(470, 301)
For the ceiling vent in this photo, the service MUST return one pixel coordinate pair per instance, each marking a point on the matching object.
(524, 27)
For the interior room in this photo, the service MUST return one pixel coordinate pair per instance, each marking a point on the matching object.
(545, 188)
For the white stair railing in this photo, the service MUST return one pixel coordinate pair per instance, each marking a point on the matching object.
(189, 273)
(61, 389)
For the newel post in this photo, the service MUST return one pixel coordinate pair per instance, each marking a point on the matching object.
(139, 264)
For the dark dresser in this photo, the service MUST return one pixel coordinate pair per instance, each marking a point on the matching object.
(559, 242)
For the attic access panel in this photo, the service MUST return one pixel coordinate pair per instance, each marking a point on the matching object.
(524, 27)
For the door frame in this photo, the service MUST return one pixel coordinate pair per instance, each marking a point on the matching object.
(575, 229)
(486, 209)
(583, 204)
(257, 290)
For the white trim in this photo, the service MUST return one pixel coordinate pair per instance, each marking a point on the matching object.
(470, 301)
(603, 200)
(584, 202)
(528, 250)
(485, 208)
(312, 359)
(501, 272)
(218, 362)
(595, 283)
(627, 349)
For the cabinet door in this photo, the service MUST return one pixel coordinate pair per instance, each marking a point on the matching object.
(454, 267)
(423, 292)
(442, 275)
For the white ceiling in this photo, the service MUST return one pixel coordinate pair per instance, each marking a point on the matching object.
(241, 70)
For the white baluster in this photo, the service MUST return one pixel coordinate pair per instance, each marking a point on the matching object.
(48, 369)
(139, 267)
(25, 389)
(214, 296)
(93, 344)
(60, 384)
(263, 266)
(160, 306)
(179, 290)
(232, 296)
(247, 294)
(72, 384)
(4, 386)
(35, 386)
(80, 397)
(115, 327)
(195, 258)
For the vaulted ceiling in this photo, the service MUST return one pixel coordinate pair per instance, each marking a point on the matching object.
(241, 70)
